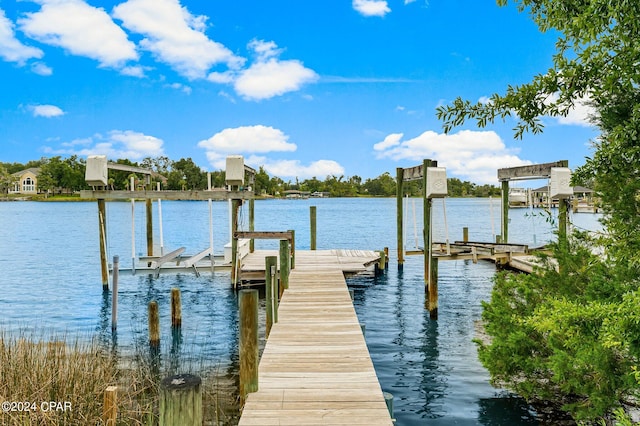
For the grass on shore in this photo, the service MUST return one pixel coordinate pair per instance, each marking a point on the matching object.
(73, 376)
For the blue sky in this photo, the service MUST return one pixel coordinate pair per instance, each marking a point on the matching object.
(303, 88)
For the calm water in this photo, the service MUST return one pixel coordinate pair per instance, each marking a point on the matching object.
(51, 283)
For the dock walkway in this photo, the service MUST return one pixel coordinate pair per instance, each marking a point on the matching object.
(315, 368)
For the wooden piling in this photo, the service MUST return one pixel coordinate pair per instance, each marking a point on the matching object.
(292, 250)
(252, 222)
(181, 401)
(114, 294)
(465, 234)
(102, 222)
(505, 212)
(386, 257)
(271, 302)
(149, 208)
(176, 308)
(154, 325)
(313, 220)
(235, 205)
(426, 215)
(399, 216)
(248, 304)
(433, 289)
(110, 406)
(382, 261)
(284, 266)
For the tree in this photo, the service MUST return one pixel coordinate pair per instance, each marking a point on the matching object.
(571, 335)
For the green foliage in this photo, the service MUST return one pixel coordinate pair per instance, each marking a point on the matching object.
(570, 334)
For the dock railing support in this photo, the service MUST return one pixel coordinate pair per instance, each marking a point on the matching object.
(248, 347)
(271, 299)
(284, 265)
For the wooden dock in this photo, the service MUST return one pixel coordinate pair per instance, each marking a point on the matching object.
(347, 261)
(316, 368)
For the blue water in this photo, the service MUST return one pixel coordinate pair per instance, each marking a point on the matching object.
(50, 283)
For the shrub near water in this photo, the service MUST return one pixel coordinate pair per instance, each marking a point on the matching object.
(52, 383)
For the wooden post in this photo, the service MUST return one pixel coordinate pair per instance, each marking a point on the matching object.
(382, 261)
(110, 406)
(235, 205)
(114, 294)
(252, 223)
(386, 257)
(433, 289)
(465, 234)
(312, 216)
(292, 250)
(426, 215)
(181, 401)
(284, 266)
(102, 222)
(270, 264)
(176, 308)
(154, 325)
(248, 301)
(504, 235)
(149, 205)
(399, 216)
(563, 207)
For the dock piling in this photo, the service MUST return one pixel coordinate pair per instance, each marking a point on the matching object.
(110, 406)
(284, 266)
(248, 305)
(181, 400)
(176, 308)
(102, 222)
(114, 294)
(313, 220)
(270, 288)
(154, 325)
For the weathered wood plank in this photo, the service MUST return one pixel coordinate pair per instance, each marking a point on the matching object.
(315, 367)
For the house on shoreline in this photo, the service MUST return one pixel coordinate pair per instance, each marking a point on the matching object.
(25, 181)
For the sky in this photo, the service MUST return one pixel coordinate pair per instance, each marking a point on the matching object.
(303, 88)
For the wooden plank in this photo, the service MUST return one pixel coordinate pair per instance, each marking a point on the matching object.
(315, 367)
(269, 235)
(529, 172)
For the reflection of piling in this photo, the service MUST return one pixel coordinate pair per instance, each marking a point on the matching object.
(176, 308)
(181, 400)
(248, 305)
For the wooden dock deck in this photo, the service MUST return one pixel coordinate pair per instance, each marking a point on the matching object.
(315, 368)
(347, 261)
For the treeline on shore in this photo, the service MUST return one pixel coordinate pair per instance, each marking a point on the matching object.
(66, 176)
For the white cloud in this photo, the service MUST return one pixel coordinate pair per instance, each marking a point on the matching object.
(248, 139)
(580, 114)
(11, 49)
(470, 155)
(47, 111)
(261, 139)
(41, 69)
(116, 144)
(81, 29)
(371, 7)
(268, 76)
(175, 36)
